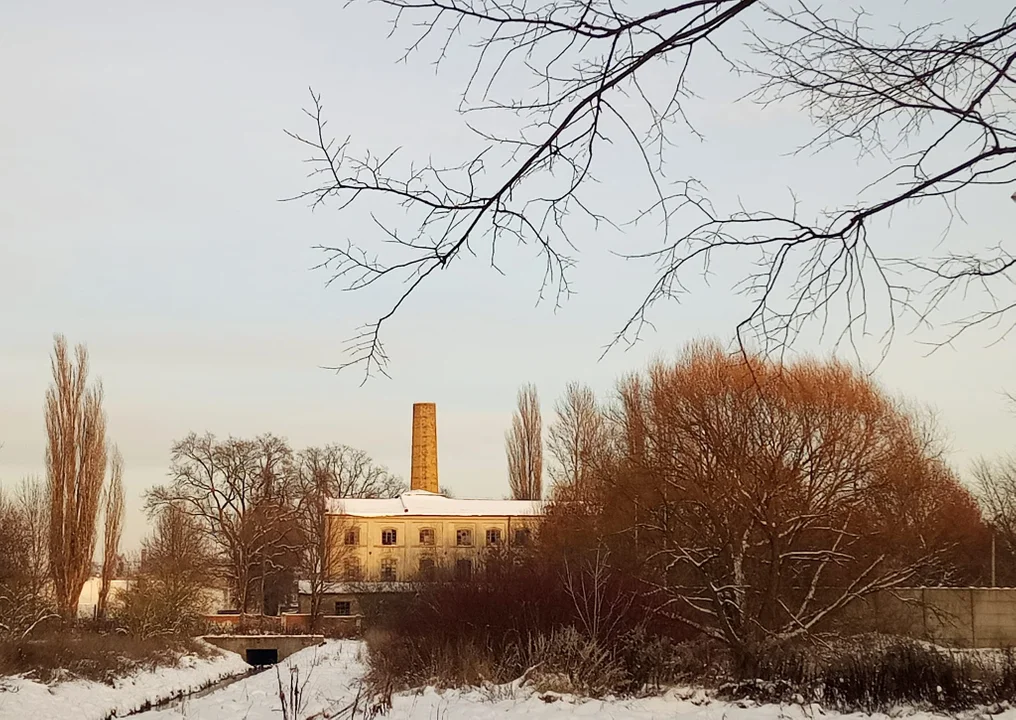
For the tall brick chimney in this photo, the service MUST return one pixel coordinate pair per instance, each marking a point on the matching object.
(424, 470)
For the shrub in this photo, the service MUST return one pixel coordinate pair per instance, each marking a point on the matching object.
(570, 662)
(145, 609)
(573, 626)
(73, 652)
(873, 673)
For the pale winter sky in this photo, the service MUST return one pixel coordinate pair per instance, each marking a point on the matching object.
(141, 163)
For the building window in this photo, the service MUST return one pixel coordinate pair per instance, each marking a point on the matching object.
(493, 536)
(351, 569)
(427, 569)
(388, 536)
(522, 536)
(343, 608)
(388, 573)
(427, 536)
(463, 569)
(352, 537)
(463, 537)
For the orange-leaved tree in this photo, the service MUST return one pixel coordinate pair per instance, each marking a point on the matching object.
(754, 500)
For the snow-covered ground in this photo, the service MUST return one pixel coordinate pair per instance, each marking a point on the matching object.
(331, 675)
(85, 700)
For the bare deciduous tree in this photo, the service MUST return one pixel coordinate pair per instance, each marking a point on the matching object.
(241, 494)
(756, 501)
(523, 445)
(177, 554)
(326, 474)
(14, 601)
(996, 490)
(76, 469)
(113, 513)
(23, 600)
(33, 506)
(932, 102)
(166, 596)
(574, 435)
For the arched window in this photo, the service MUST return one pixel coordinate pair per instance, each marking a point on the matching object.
(389, 536)
(464, 537)
(427, 536)
(493, 536)
(522, 536)
(388, 570)
(352, 536)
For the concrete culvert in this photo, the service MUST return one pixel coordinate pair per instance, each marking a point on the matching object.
(262, 656)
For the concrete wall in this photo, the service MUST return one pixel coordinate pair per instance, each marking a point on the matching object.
(328, 601)
(955, 617)
(285, 644)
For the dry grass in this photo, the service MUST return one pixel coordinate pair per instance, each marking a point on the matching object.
(875, 673)
(102, 657)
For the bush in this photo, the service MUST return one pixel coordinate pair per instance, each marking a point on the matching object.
(145, 610)
(476, 634)
(520, 619)
(569, 662)
(76, 653)
(873, 673)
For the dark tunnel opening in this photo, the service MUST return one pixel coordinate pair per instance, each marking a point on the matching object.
(262, 656)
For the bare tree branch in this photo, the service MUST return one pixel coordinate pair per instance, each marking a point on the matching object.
(936, 107)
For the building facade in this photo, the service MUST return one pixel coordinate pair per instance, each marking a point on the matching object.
(387, 545)
(422, 536)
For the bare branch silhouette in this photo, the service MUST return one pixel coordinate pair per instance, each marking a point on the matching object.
(939, 108)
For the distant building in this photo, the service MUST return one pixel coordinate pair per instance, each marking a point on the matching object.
(414, 536)
(380, 545)
(214, 598)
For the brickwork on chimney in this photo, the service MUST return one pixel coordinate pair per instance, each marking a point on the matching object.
(423, 475)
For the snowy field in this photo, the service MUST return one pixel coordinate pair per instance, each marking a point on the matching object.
(332, 673)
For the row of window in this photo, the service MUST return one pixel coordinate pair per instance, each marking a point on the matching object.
(463, 537)
(389, 573)
(389, 569)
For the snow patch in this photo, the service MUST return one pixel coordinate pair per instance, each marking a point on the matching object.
(88, 700)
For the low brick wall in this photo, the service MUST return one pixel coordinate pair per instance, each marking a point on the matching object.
(331, 625)
(222, 620)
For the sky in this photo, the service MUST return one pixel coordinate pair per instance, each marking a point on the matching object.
(142, 164)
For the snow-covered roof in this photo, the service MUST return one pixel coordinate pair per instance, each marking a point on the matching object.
(350, 588)
(422, 502)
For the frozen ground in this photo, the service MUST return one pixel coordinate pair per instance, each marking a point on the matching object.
(23, 699)
(331, 673)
